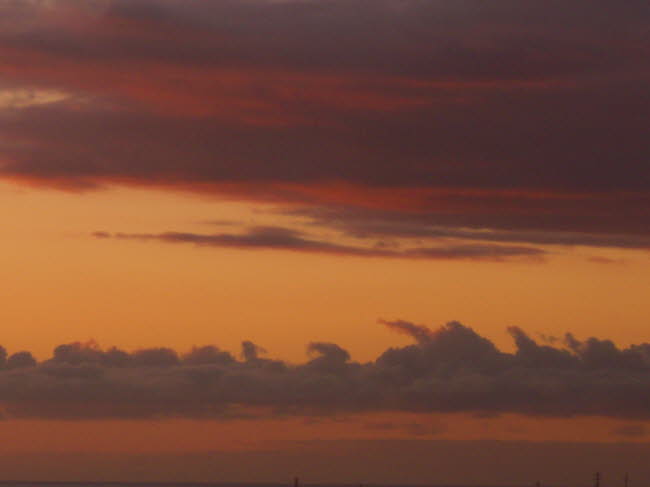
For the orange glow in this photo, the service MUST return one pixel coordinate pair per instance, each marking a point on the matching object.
(135, 294)
(316, 182)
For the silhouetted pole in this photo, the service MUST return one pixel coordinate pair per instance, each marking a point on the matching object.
(627, 479)
(296, 482)
(597, 479)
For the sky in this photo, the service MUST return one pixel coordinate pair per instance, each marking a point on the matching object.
(351, 240)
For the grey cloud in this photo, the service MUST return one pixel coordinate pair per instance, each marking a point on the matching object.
(279, 238)
(534, 355)
(208, 355)
(451, 369)
(250, 352)
(420, 333)
(329, 352)
(78, 353)
(330, 358)
(155, 357)
(21, 360)
(367, 224)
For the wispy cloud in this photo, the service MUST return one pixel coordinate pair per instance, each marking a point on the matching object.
(505, 227)
(279, 238)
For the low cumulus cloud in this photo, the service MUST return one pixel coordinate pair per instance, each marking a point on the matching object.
(280, 238)
(451, 369)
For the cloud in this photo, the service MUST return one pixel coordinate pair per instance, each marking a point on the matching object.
(513, 121)
(451, 369)
(376, 223)
(206, 355)
(280, 238)
(21, 360)
(420, 333)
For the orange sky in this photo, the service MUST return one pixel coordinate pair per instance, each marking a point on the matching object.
(139, 294)
(135, 294)
(334, 181)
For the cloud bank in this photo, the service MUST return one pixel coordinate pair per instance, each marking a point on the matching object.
(451, 369)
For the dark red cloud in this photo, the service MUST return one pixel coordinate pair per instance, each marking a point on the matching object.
(508, 115)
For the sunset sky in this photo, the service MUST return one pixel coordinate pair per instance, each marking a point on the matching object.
(351, 240)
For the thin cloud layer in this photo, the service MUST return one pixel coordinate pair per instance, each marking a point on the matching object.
(452, 369)
(368, 224)
(510, 115)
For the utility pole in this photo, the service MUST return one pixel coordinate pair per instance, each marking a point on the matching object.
(627, 479)
(597, 479)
